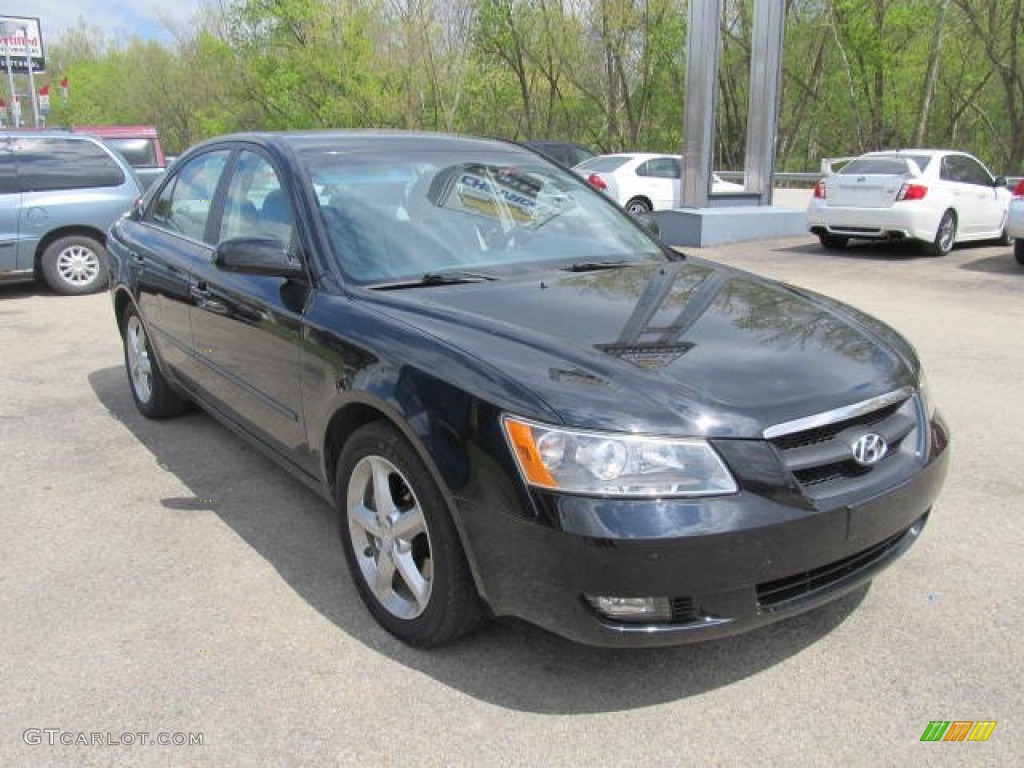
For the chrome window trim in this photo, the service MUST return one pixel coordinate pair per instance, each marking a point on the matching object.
(838, 414)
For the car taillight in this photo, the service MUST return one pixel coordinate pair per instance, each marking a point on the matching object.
(819, 190)
(596, 182)
(1018, 191)
(911, 192)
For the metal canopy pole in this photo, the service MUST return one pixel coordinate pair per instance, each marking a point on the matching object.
(702, 44)
(10, 77)
(31, 80)
(763, 106)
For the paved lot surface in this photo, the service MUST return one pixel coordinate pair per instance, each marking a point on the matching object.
(165, 578)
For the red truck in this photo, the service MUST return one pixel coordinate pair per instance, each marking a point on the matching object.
(139, 144)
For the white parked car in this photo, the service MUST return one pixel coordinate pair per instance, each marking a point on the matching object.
(938, 197)
(642, 183)
(1015, 221)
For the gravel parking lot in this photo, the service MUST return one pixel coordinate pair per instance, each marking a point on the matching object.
(165, 579)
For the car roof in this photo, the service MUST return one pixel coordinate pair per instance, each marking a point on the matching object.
(641, 155)
(547, 143)
(929, 152)
(365, 140)
(53, 133)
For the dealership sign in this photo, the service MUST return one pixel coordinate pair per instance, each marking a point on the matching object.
(20, 40)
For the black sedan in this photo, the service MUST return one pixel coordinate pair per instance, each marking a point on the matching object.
(519, 402)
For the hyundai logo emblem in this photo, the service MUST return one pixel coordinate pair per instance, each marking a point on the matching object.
(869, 449)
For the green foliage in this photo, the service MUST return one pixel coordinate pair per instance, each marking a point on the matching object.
(858, 74)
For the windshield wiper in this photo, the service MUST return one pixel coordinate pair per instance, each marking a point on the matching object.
(453, 277)
(595, 266)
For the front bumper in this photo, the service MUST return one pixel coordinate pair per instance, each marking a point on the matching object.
(904, 220)
(726, 565)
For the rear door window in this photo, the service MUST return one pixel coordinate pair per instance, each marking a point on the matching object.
(46, 164)
(660, 168)
(963, 170)
(972, 172)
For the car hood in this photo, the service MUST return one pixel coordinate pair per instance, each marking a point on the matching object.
(686, 347)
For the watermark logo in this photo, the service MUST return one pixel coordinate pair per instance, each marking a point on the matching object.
(58, 736)
(958, 730)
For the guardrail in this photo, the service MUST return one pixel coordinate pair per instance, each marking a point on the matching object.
(792, 179)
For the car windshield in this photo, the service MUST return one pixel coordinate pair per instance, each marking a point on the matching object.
(403, 217)
(885, 164)
(603, 163)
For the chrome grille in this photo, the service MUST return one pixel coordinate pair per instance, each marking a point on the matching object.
(829, 431)
(817, 450)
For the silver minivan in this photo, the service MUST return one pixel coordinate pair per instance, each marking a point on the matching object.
(59, 194)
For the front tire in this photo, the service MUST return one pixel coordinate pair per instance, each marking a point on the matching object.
(639, 205)
(152, 394)
(400, 542)
(75, 265)
(945, 235)
(1018, 250)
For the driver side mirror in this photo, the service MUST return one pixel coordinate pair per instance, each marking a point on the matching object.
(1000, 181)
(257, 256)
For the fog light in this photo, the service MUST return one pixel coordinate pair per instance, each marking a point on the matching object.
(636, 609)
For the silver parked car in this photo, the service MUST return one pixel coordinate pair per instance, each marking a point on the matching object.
(59, 194)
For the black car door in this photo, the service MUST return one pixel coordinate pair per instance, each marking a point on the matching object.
(247, 328)
(167, 245)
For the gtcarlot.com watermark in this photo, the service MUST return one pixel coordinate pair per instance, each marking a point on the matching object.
(58, 736)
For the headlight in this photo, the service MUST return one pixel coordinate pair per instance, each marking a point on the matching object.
(612, 464)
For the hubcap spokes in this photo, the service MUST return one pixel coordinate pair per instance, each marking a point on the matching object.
(390, 538)
(78, 265)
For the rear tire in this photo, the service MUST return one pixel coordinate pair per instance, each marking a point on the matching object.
(1018, 250)
(152, 394)
(945, 236)
(833, 242)
(639, 205)
(75, 265)
(400, 543)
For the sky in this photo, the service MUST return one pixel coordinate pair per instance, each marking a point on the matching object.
(117, 18)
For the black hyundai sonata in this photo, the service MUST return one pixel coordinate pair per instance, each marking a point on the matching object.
(519, 402)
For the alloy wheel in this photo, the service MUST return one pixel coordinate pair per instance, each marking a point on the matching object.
(947, 233)
(140, 366)
(389, 537)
